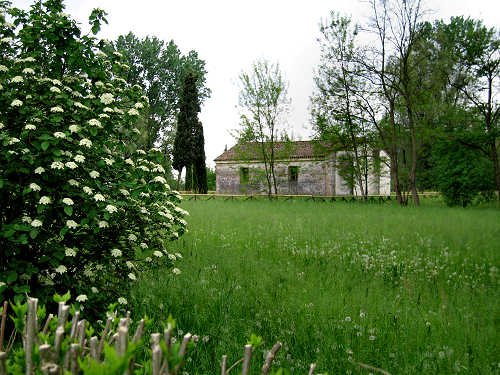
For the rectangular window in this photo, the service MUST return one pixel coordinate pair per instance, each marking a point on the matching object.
(293, 174)
(243, 175)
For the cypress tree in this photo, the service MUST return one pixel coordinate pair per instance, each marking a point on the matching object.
(200, 171)
(184, 153)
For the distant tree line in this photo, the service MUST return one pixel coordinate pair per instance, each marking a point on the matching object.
(164, 74)
(425, 93)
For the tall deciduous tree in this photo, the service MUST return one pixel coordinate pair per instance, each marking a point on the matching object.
(336, 110)
(160, 68)
(478, 50)
(263, 102)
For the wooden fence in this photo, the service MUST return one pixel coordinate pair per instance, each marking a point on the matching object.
(286, 197)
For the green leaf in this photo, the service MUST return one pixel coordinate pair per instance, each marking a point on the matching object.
(33, 233)
(68, 210)
(9, 233)
(45, 145)
(11, 277)
(64, 298)
(93, 131)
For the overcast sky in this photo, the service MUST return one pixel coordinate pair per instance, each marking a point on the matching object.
(230, 34)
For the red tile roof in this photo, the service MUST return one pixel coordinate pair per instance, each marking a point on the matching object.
(282, 150)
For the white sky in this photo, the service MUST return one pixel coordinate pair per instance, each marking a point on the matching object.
(230, 34)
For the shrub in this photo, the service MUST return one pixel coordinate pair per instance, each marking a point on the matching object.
(81, 207)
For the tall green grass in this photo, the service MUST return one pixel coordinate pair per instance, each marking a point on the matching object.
(410, 290)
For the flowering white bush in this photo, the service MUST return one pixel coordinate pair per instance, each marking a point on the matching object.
(79, 206)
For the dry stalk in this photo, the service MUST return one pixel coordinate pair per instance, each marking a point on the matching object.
(235, 364)
(223, 365)
(368, 367)
(312, 368)
(269, 359)
(103, 336)
(47, 322)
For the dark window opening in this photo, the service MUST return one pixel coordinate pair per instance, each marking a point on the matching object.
(244, 175)
(293, 174)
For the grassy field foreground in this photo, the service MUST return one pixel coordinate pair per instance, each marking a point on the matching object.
(409, 290)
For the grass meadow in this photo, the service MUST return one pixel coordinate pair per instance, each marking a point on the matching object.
(409, 290)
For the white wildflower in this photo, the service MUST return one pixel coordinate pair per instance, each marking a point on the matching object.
(122, 301)
(39, 170)
(95, 122)
(56, 109)
(132, 237)
(30, 127)
(73, 182)
(13, 141)
(124, 192)
(129, 161)
(131, 276)
(70, 252)
(129, 264)
(81, 298)
(160, 179)
(74, 128)
(36, 223)
(61, 269)
(59, 135)
(108, 161)
(110, 208)
(103, 115)
(348, 319)
(79, 158)
(157, 254)
(56, 82)
(28, 71)
(133, 112)
(107, 109)
(94, 174)
(87, 190)
(68, 201)
(16, 103)
(17, 79)
(55, 89)
(3, 68)
(86, 142)
(44, 200)
(176, 271)
(116, 253)
(103, 224)
(80, 105)
(94, 289)
(6, 40)
(57, 165)
(71, 224)
(107, 98)
(34, 187)
(178, 255)
(143, 245)
(99, 197)
(171, 257)
(139, 105)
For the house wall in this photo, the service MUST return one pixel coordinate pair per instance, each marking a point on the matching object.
(315, 177)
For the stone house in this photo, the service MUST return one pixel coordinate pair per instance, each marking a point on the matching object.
(301, 167)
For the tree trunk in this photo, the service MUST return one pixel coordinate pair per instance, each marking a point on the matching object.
(179, 179)
(496, 167)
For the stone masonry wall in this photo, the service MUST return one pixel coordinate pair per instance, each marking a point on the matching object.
(315, 177)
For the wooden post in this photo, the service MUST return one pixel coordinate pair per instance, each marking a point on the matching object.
(246, 361)
(30, 334)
